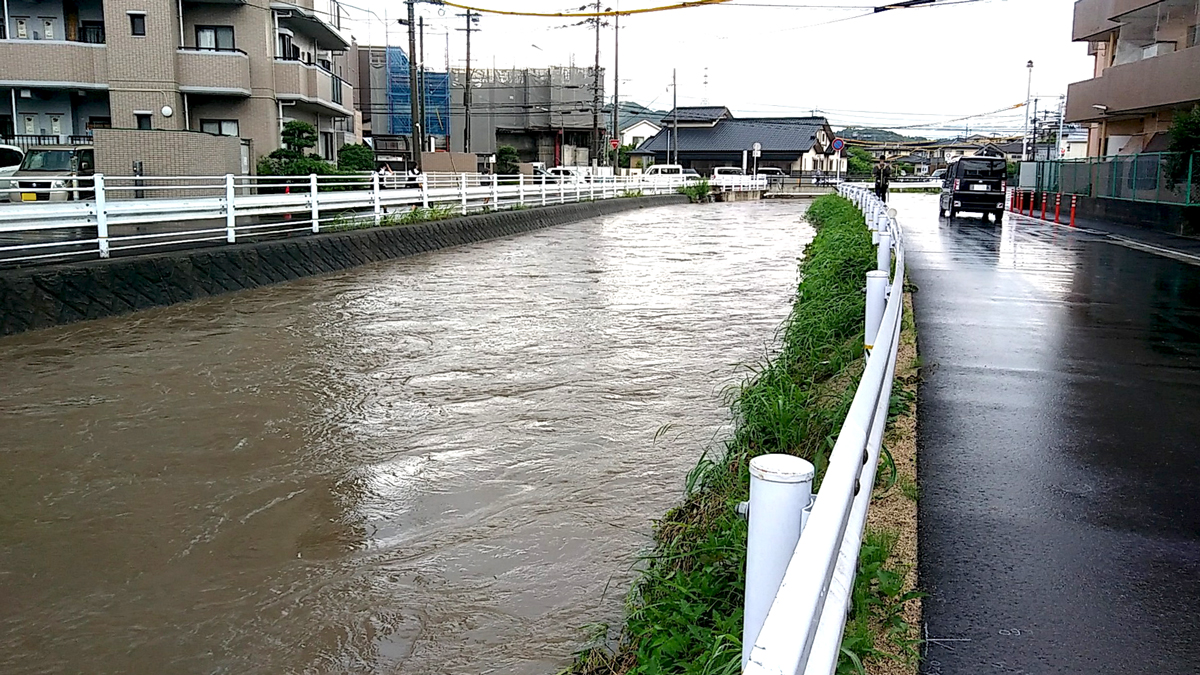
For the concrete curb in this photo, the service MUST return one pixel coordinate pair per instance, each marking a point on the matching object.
(41, 297)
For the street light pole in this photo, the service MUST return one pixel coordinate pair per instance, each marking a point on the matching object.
(1028, 95)
(675, 112)
(421, 84)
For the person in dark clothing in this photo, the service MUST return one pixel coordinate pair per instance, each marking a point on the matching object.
(883, 174)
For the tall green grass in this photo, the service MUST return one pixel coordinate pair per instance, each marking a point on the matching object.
(684, 613)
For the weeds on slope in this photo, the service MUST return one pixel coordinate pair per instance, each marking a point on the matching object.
(684, 613)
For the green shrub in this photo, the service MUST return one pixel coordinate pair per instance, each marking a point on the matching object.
(356, 158)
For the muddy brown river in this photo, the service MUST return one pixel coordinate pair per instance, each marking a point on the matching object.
(442, 464)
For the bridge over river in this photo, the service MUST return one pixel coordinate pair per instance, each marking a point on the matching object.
(445, 463)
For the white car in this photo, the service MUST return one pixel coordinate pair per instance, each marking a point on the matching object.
(719, 171)
(10, 160)
(664, 170)
(567, 174)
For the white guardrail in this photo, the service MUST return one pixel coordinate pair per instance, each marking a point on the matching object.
(802, 552)
(99, 215)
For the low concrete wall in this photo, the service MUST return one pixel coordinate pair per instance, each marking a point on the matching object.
(1161, 217)
(41, 297)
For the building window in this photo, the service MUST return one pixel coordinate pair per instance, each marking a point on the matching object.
(91, 32)
(137, 25)
(215, 38)
(637, 140)
(143, 120)
(327, 149)
(337, 89)
(220, 127)
(99, 123)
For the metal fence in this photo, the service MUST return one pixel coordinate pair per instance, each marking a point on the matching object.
(101, 215)
(1140, 178)
(800, 563)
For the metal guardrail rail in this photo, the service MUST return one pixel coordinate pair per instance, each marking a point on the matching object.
(802, 553)
(100, 215)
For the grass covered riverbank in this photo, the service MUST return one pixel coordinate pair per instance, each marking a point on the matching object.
(684, 613)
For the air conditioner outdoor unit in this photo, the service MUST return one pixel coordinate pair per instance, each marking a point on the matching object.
(1158, 49)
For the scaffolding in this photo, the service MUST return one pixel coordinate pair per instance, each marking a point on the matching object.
(399, 98)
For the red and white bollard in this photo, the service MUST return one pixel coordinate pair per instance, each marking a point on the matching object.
(1074, 199)
(1057, 206)
(1044, 206)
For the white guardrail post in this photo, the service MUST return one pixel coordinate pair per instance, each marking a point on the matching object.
(521, 189)
(780, 489)
(314, 203)
(543, 189)
(375, 205)
(423, 182)
(230, 210)
(462, 186)
(884, 253)
(877, 282)
(101, 215)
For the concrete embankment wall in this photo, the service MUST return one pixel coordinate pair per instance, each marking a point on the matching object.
(40, 297)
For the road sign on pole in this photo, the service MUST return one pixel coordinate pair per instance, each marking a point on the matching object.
(614, 143)
(838, 144)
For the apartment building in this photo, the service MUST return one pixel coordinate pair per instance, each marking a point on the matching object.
(172, 87)
(1147, 67)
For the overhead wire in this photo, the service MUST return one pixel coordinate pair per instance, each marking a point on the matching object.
(690, 4)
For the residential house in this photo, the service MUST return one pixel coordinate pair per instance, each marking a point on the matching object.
(174, 87)
(638, 132)
(1147, 56)
(710, 136)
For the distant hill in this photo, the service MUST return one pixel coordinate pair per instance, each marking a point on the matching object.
(877, 135)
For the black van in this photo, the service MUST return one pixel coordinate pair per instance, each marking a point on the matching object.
(975, 184)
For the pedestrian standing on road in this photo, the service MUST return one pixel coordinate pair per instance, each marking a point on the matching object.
(883, 174)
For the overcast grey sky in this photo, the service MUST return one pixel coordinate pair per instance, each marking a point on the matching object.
(788, 57)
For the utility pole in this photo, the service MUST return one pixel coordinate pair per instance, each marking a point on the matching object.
(1062, 120)
(1028, 95)
(472, 18)
(412, 84)
(675, 113)
(596, 151)
(421, 84)
(616, 119)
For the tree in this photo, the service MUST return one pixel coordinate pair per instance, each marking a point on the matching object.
(508, 160)
(1185, 142)
(622, 155)
(298, 136)
(356, 158)
(859, 161)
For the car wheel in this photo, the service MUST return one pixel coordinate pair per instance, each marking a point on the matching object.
(999, 217)
(951, 213)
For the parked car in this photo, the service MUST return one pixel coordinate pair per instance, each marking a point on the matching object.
(56, 173)
(692, 175)
(974, 184)
(10, 161)
(771, 172)
(666, 170)
(567, 174)
(727, 171)
(940, 174)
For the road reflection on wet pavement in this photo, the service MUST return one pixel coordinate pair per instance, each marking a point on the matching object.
(1059, 448)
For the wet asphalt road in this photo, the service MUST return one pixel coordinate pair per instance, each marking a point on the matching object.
(1059, 451)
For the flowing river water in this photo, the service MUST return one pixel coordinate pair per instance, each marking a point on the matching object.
(441, 464)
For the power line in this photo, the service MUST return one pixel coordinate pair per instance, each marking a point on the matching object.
(580, 14)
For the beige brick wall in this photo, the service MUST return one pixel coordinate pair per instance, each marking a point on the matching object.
(37, 61)
(213, 70)
(166, 153)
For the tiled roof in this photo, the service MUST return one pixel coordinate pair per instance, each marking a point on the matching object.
(796, 135)
(697, 114)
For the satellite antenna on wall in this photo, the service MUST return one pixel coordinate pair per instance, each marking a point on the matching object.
(704, 101)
